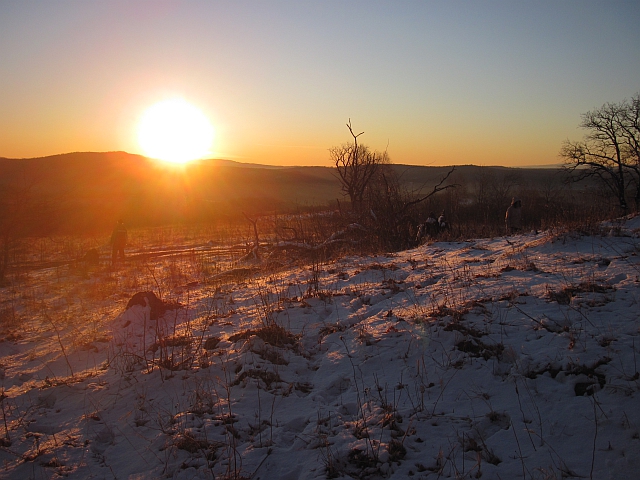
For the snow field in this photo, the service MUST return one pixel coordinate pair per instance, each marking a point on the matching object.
(494, 358)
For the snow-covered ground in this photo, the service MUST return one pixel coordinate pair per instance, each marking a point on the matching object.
(493, 358)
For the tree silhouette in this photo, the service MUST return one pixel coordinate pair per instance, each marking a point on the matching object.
(610, 150)
(356, 165)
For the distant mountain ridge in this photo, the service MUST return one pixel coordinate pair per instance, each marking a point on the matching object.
(94, 188)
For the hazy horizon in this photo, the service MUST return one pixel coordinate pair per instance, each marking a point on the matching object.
(435, 83)
(293, 165)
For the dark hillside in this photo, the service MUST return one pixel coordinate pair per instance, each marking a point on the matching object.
(90, 191)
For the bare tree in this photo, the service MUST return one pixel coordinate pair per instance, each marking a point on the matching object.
(383, 207)
(421, 197)
(392, 209)
(610, 150)
(356, 165)
(630, 132)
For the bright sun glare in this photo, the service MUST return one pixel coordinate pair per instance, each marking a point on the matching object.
(175, 131)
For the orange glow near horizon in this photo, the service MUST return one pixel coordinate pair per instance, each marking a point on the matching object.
(175, 131)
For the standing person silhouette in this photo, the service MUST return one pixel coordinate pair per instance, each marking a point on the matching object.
(118, 241)
(513, 217)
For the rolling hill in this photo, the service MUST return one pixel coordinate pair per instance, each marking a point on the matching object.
(90, 190)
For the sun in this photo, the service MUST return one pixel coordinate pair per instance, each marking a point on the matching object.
(175, 131)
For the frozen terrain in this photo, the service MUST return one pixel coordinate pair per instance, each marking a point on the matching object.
(496, 358)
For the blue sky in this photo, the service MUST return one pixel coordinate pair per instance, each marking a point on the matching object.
(434, 82)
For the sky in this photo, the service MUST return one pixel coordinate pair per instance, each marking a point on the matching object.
(432, 82)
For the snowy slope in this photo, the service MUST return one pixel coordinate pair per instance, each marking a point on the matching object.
(493, 358)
